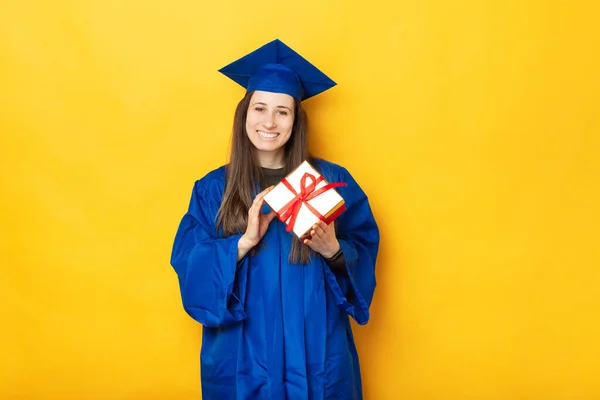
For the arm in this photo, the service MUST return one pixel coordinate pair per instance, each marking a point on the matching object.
(351, 277)
(208, 266)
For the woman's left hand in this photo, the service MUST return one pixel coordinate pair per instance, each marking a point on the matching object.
(322, 239)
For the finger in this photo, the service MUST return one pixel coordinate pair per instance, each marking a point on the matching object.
(304, 236)
(314, 245)
(255, 209)
(319, 229)
(270, 216)
(326, 227)
(329, 229)
(313, 234)
(264, 192)
(258, 201)
(252, 210)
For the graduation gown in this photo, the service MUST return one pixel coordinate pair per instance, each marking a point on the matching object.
(274, 330)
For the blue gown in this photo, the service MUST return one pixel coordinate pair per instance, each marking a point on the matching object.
(274, 330)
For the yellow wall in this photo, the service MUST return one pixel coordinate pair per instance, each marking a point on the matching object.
(472, 125)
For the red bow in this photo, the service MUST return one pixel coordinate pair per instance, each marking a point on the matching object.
(307, 192)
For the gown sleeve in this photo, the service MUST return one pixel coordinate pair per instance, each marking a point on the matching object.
(207, 265)
(358, 235)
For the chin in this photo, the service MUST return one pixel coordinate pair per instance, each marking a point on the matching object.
(269, 148)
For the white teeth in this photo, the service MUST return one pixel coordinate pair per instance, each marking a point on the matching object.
(267, 135)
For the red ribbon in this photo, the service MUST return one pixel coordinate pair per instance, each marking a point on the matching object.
(307, 192)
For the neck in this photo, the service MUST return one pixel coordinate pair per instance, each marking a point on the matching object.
(271, 159)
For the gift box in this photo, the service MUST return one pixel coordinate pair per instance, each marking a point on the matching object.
(303, 198)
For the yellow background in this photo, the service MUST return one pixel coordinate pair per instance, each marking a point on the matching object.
(471, 124)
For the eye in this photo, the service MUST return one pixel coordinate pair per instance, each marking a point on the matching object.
(259, 109)
(283, 113)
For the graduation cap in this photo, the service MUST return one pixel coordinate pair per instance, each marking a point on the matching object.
(277, 68)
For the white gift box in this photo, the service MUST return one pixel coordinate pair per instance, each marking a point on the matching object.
(303, 198)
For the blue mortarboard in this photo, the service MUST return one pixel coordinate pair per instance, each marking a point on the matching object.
(277, 68)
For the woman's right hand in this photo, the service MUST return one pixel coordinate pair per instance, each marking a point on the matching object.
(257, 224)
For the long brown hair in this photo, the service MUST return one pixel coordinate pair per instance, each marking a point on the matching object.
(244, 176)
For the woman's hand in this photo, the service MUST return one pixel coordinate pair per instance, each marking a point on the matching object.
(257, 225)
(323, 240)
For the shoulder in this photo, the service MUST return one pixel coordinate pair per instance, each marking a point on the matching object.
(351, 191)
(331, 171)
(212, 185)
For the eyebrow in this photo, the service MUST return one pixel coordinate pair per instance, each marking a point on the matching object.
(265, 104)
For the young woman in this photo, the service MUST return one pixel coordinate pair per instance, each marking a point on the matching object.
(275, 309)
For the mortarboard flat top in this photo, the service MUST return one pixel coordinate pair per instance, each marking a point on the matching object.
(277, 68)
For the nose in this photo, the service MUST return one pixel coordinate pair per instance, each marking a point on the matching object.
(269, 121)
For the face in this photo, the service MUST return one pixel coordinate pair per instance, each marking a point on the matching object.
(270, 121)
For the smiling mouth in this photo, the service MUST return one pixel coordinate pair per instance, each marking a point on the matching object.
(267, 135)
